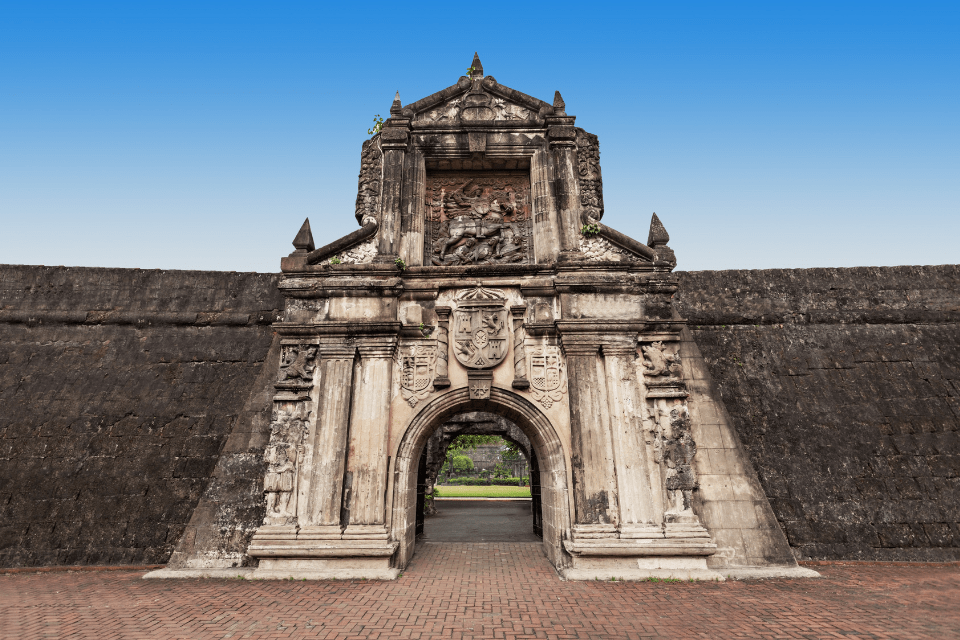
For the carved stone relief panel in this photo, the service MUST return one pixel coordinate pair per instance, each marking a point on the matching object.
(481, 334)
(476, 217)
(288, 429)
(371, 169)
(418, 366)
(591, 182)
(297, 363)
(547, 382)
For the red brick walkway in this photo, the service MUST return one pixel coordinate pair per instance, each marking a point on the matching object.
(493, 590)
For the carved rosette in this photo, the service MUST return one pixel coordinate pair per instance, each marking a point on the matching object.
(417, 370)
(546, 371)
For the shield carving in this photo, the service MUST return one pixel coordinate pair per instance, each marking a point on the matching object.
(480, 329)
(546, 375)
(417, 366)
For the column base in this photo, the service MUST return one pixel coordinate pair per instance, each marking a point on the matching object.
(323, 553)
(640, 558)
(343, 568)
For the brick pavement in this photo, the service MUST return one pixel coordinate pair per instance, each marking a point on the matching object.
(506, 591)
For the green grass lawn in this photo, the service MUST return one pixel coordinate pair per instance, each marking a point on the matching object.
(491, 491)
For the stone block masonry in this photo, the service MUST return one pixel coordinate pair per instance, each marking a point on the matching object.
(118, 389)
(844, 388)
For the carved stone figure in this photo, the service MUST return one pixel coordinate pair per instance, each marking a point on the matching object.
(659, 362)
(675, 450)
(478, 218)
(287, 432)
(298, 363)
(278, 482)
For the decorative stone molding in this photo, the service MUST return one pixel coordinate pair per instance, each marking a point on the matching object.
(441, 381)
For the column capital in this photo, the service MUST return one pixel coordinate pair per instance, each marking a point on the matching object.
(377, 346)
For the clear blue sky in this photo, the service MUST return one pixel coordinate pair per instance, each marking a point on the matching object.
(199, 135)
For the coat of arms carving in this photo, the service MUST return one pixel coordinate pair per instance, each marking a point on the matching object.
(546, 375)
(418, 365)
(480, 332)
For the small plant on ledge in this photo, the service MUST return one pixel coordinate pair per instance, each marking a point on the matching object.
(335, 260)
(400, 264)
(425, 331)
(377, 125)
(590, 229)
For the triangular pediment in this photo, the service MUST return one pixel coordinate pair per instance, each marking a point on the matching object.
(476, 98)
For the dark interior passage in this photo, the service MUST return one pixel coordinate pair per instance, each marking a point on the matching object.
(480, 520)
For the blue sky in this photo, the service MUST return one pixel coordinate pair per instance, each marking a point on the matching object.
(199, 135)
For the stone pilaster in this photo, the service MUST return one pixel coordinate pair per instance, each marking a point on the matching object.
(321, 488)
(442, 380)
(393, 142)
(563, 148)
(641, 501)
(546, 234)
(520, 380)
(592, 460)
(412, 208)
(366, 476)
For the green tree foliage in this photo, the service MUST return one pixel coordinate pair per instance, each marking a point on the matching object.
(461, 464)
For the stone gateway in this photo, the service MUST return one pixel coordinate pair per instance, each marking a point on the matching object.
(483, 280)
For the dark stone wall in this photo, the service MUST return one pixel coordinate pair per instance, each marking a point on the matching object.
(844, 387)
(118, 388)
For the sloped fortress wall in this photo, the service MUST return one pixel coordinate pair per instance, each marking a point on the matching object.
(118, 388)
(844, 387)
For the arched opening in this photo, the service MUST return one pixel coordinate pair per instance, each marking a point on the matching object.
(544, 441)
(471, 455)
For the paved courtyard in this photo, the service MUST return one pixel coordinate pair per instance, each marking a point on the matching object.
(484, 590)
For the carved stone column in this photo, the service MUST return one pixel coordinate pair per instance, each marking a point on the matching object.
(442, 381)
(563, 146)
(321, 489)
(594, 473)
(520, 380)
(412, 208)
(393, 142)
(366, 477)
(546, 234)
(641, 504)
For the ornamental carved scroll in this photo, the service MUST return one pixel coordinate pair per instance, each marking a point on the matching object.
(478, 218)
(297, 363)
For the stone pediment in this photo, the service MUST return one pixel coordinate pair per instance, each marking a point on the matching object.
(477, 99)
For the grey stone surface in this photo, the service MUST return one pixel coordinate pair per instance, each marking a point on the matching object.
(118, 388)
(480, 521)
(844, 387)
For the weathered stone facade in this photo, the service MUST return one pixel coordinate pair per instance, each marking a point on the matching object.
(277, 422)
(483, 295)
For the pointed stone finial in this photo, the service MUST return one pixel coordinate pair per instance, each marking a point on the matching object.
(396, 108)
(658, 233)
(476, 69)
(558, 103)
(304, 240)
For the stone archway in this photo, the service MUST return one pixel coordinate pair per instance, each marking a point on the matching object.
(543, 439)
